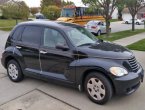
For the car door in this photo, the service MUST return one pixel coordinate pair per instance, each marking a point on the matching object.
(55, 63)
(28, 46)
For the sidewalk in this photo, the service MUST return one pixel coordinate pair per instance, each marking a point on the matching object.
(130, 40)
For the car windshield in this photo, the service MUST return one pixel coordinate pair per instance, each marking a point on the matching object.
(67, 13)
(80, 36)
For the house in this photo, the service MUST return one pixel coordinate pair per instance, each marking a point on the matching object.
(115, 14)
(126, 14)
(141, 14)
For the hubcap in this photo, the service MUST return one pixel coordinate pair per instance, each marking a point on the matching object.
(13, 71)
(96, 89)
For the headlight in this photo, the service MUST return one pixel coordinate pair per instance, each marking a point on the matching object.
(118, 71)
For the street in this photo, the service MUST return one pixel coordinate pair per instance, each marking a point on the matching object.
(35, 94)
(120, 26)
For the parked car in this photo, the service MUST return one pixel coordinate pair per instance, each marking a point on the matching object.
(96, 27)
(69, 54)
(137, 21)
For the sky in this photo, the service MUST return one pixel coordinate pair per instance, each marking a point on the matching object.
(36, 3)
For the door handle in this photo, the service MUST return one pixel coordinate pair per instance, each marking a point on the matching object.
(18, 47)
(43, 52)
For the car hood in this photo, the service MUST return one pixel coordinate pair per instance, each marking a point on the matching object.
(105, 50)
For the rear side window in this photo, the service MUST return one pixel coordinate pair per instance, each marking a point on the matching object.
(32, 35)
(17, 33)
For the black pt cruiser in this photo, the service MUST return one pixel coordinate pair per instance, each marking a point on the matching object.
(68, 54)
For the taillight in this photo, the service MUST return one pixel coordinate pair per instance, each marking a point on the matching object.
(94, 27)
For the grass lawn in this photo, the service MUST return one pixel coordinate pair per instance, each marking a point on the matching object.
(114, 20)
(7, 25)
(120, 35)
(140, 45)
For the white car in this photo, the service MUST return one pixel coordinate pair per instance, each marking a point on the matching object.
(137, 21)
(96, 27)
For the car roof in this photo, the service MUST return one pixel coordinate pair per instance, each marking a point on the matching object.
(54, 24)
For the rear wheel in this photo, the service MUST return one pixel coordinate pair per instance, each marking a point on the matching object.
(98, 88)
(99, 33)
(14, 71)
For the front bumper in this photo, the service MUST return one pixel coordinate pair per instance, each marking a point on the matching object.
(128, 84)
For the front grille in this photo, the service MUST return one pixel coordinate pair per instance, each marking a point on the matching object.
(133, 64)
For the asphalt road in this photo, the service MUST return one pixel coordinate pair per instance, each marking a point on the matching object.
(120, 26)
(28, 94)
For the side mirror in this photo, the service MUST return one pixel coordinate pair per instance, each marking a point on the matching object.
(62, 47)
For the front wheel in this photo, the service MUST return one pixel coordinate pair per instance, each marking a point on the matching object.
(98, 88)
(126, 22)
(14, 71)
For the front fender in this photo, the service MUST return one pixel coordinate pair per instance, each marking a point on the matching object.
(83, 66)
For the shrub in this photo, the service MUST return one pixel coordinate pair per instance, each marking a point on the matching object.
(51, 12)
(17, 10)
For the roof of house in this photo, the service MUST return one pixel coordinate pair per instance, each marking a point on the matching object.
(142, 10)
(125, 10)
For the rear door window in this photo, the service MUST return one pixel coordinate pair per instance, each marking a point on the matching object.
(32, 35)
(17, 33)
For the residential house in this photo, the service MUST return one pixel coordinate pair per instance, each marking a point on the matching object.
(141, 14)
(126, 14)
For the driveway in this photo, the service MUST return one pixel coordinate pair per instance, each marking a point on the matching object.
(120, 26)
(32, 94)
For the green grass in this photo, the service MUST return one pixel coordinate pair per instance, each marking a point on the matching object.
(7, 25)
(114, 20)
(121, 34)
(140, 45)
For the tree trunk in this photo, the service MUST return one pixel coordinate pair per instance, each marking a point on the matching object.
(133, 23)
(16, 21)
(120, 15)
(107, 28)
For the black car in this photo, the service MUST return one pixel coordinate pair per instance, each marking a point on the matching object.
(68, 54)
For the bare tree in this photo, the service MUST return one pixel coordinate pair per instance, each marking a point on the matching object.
(108, 7)
(134, 6)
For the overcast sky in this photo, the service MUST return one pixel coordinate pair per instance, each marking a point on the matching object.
(36, 3)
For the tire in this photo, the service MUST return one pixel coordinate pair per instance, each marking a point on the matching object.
(126, 22)
(100, 92)
(99, 33)
(14, 71)
(137, 23)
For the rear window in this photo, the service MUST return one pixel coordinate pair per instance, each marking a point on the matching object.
(32, 35)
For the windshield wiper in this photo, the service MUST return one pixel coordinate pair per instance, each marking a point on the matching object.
(85, 44)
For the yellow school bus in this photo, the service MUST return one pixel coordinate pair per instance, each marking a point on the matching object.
(73, 14)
